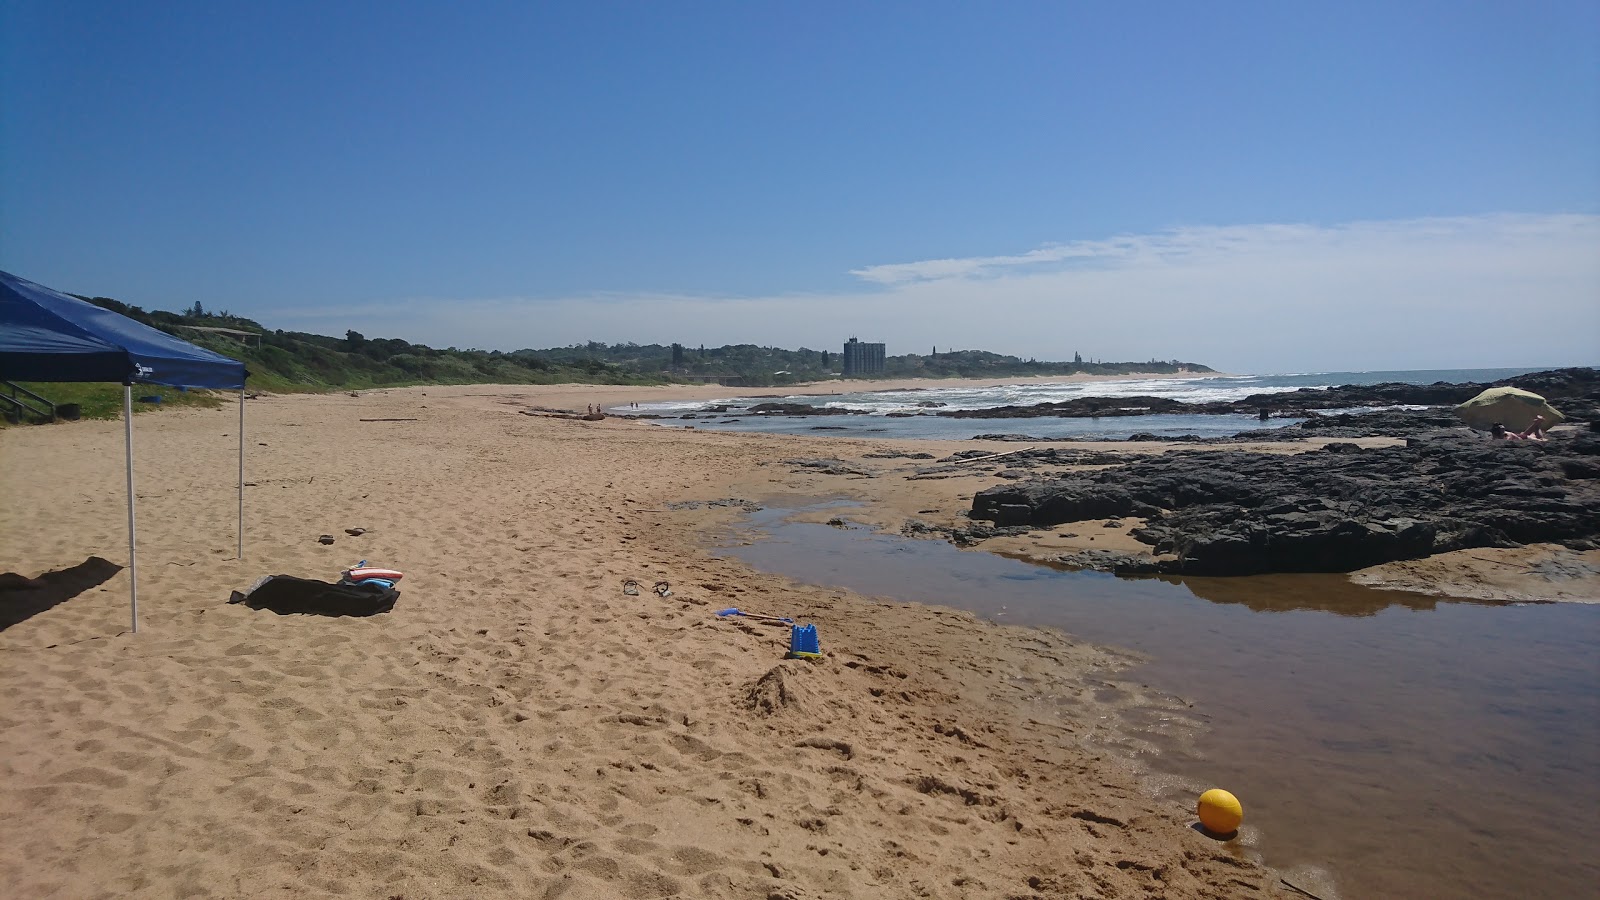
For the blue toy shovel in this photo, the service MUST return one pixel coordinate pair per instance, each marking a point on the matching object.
(733, 611)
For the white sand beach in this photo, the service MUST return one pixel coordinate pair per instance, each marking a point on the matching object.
(518, 726)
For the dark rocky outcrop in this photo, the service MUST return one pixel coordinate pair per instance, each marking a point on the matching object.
(800, 409)
(1118, 561)
(726, 503)
(1378, 423)
(1066, 456)
(1145, 437)
(830, 467)
(1331, 510)
(1018, 463)
(1084, 407)
(962, 535)
(982, 531)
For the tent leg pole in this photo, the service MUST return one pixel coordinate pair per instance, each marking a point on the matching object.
(133, 559)
(241, 471)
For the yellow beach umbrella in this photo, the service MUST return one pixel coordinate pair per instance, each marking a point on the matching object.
(1512, 407)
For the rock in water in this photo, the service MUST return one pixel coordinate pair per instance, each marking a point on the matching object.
(1332, 510)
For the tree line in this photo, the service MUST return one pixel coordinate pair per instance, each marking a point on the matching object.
(294, 360)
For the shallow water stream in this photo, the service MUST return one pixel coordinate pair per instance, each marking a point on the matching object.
(1404, 745)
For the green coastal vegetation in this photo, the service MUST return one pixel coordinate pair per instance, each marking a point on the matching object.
(771, 366)
(293, 361)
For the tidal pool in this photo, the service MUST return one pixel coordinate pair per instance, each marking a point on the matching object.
(1394, 744)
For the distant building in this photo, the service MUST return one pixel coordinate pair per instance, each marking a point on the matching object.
(862, 359)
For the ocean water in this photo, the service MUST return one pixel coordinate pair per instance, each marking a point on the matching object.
(879, 404)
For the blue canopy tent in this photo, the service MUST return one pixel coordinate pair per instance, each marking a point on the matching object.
(46, 335)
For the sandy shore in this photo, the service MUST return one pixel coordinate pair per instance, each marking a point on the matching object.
(518, 726)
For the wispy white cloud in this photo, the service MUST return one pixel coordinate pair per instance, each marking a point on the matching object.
(934, 269)
(1421, 293)
(1196, 245)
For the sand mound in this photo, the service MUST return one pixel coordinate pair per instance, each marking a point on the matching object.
(781, 692)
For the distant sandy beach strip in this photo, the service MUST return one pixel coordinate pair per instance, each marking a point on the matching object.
(518, 725)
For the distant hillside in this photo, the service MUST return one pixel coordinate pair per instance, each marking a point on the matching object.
(293, 360)
(297, 361)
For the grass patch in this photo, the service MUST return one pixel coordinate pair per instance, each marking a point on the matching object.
(103, 400)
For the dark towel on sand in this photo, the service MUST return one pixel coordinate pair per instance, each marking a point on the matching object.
(286, 594)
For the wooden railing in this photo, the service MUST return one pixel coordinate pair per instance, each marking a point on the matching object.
(17, 408)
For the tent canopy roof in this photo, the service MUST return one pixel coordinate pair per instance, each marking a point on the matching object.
(46, 335)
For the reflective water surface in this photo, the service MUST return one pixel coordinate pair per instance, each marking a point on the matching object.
(1416, 746)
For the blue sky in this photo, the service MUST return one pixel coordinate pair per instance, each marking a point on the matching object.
(1259, 186)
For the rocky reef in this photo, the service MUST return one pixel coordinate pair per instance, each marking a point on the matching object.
(1336, 509)
(800, 409)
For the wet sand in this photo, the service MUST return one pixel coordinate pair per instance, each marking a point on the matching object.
(519, 725)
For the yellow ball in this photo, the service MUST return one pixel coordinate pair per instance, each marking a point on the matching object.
(1220, 811)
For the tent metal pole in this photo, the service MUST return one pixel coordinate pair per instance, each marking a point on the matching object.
(133, 559)
(241, 471)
